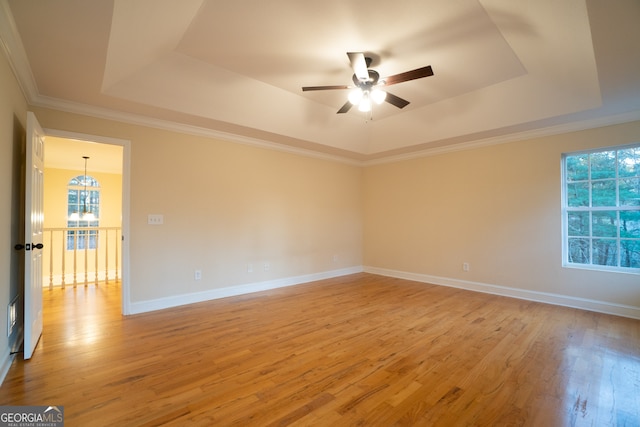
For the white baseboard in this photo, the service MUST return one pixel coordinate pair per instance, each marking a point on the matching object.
(549, 298)
(174, 301)
(544, 297)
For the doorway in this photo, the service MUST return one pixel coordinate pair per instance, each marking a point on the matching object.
(70, 157)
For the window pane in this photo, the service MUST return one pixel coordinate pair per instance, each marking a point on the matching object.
(579, 251)
(605, 252)
(578, 223)
(630, 253)
(603, 193)
(629, 162)
(605, 224)
(630, 192)
(602, 205)
(73, 197)
(630, 224)
(578, 194)
(603, 165)
(577, 167)
(70, 240)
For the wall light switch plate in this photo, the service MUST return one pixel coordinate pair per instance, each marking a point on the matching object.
(155, 219)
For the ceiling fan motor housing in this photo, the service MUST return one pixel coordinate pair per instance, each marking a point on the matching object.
(371, 81)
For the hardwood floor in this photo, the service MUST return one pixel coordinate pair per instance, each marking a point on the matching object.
(357, 350)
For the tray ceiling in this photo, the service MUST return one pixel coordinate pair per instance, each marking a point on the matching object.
(236, 68)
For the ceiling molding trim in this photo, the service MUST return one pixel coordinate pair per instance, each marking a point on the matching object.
(103, 113)
(513, 137)
(15, 53)
(108, 114)
(11, 44)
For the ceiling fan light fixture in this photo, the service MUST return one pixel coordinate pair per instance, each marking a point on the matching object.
(355, 96)
(366, 84)
(378, 96)
(365, 103)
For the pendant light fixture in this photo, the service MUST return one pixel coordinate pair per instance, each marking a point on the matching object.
(87, 215)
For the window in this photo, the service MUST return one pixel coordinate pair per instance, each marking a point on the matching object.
(83, 198)
(601, 209)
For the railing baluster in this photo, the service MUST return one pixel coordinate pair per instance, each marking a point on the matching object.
(75, 258)
(51, 260)
(64, 257)
(91, 270)
(106, 256)
(86, 257)
(117, 254)
(96, 257)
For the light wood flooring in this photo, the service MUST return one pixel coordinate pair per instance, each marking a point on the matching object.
(360, 350)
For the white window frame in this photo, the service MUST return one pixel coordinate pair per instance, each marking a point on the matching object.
(591, 209)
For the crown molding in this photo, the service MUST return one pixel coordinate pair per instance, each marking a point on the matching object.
(134, 119)
(108, 114)
(15, 52)
(560, 129)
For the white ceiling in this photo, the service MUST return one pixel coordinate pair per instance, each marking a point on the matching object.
(235, 68)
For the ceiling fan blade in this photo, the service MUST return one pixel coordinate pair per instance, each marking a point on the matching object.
(359, 65)
(418, 73)
(346, 107)
(396, 100)
(308, 88)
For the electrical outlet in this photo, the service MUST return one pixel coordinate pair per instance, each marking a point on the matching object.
(249, 268)
(197, 275)
(465, 266)
(267, 266)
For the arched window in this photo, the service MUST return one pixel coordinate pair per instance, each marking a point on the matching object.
(83, 212)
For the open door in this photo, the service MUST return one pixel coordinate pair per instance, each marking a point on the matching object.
(34, 223)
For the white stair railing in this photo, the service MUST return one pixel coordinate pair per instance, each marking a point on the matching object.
(81, 255)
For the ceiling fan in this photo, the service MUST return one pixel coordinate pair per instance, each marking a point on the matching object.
(368, 86)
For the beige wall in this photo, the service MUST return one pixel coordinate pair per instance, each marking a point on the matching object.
(225, 206)
(497, 208)
(13, 114)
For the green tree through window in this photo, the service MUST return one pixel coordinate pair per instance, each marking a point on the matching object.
(601, 209)
(83, 212)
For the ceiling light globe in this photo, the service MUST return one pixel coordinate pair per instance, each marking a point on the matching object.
(365, 105)
(355, 96)
(378, 96)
